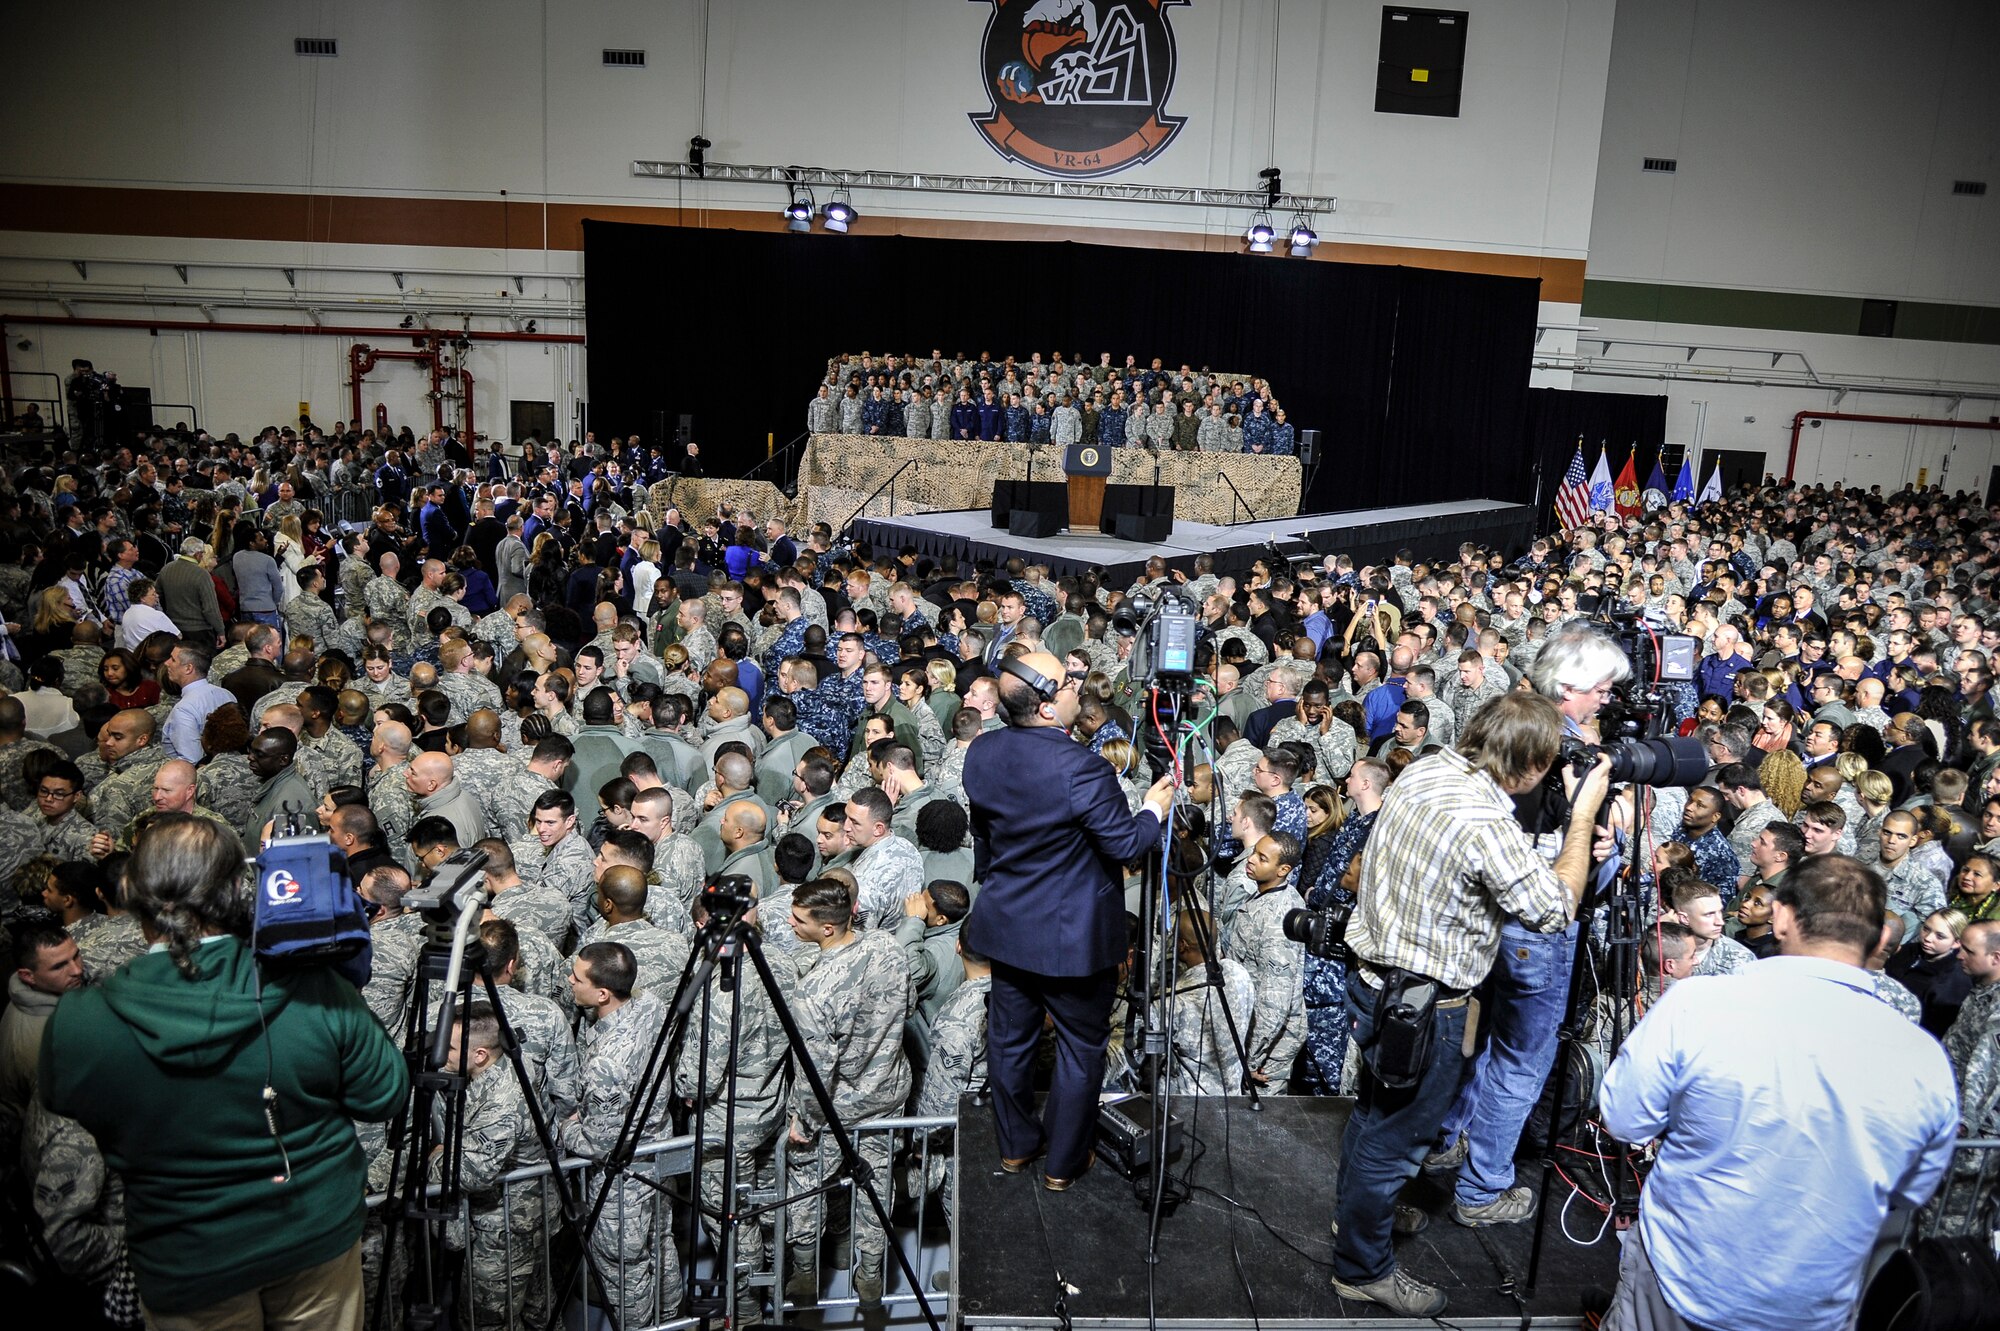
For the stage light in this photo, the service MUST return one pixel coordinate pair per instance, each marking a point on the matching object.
(799, 212)
(1260, 234)
(839, 213)
(1303, 238)
(1274, 184)
(698, 155)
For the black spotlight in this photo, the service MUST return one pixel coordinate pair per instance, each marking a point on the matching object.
(1274, 185)
(839, 214)
(698, 155)
(799, 212)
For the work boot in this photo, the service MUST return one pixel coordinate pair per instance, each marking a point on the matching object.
(1398, 1292)
(868, 1285)
(1409, 1220)
(1511, 1205)
(802, 1286)
(1451, 1157)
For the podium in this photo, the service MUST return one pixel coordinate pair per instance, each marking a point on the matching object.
(1087, 466)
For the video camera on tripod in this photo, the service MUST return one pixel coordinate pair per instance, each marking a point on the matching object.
(1631, 721)
(1163, 629)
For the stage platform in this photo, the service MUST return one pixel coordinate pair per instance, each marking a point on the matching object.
(1370, 535)
(1020, 1248)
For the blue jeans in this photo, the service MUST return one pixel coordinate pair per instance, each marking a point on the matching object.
(1387, 1137)
(1521, 1007)
(264, 617)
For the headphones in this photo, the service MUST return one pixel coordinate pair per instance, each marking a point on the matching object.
(1043, 687)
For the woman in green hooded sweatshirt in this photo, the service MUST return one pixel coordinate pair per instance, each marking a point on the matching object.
(232, 1217)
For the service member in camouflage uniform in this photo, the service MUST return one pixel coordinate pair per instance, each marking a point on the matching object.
(853, 1002)
(79, 1203)
(126, 743)
(761, 1087)
(307, 615)
(615, 1047)
(566, 857)
(388, 603)
(660, 954)
(957, 1066)
(548, 1049)
(1275, 963)
(65, 833)
(504, 1246)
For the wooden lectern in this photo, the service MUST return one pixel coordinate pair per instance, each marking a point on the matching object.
(1086, 465)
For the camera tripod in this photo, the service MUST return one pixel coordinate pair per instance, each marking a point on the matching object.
(452, 954)
(724, 939)
(1622, 980)
(1152, 1009)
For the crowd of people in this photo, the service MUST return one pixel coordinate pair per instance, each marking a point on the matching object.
(616, 705)
(1054, 402)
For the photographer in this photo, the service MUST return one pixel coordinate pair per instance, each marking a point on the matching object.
(1522, 1000)
(1447, 865)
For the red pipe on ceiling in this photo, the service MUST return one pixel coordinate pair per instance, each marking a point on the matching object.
(298, 330)
(1799, 420)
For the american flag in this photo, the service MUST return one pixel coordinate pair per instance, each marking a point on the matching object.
(1573, 498)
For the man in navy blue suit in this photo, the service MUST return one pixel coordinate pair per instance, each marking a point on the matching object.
(1050, 834)
(432, 521)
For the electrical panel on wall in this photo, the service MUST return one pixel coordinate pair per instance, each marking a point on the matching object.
(1421, 68)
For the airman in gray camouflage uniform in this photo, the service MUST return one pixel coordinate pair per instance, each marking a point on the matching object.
(128, 790)
(225, 784)
(13, 785)
(79, 1203)
(395, 811)
(762, 1086)
(109, 946)
(615, 1048)
(852, 1005)
(957, 1066)
(388, 603)
(504, 1247)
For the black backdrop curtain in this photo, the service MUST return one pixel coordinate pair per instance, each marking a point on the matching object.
(1619, 423)
(1416, 379)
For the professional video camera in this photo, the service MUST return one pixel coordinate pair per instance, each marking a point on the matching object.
(1323, 931)
(729, 895)
(1163, 630)
(1656, 658)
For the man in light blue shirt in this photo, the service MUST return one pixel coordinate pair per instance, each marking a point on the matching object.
(187, 669)
(1802, 1136)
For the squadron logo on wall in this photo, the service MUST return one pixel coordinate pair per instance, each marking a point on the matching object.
(1079, 87)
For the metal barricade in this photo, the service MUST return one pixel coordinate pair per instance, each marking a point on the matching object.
(920, 1155)
(518, 1247)
(1967, 1202)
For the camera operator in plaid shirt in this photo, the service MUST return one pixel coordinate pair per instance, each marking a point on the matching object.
(1447, 865)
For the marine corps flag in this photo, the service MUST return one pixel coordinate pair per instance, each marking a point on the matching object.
(1625, 493)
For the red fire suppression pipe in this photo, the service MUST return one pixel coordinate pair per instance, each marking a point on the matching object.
(361, 358)
(295, 330)
(1801, 418)
(465, 384)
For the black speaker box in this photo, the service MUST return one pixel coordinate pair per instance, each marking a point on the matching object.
(1148, 528)
(1032, 522)
(1308, 448)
